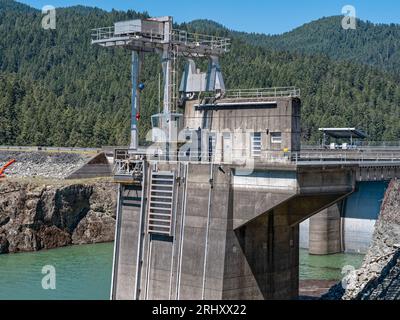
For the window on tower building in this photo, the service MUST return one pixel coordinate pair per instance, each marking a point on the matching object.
(256, 144)
(276, 137)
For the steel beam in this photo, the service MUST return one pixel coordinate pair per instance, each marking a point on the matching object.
(135, 101)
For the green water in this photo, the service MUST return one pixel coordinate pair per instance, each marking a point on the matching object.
(84, 272)
(327, 267)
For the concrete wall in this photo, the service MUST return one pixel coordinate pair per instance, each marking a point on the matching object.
(234, 237)
(176, 265)
(96, 167)
(355, 229)
(207, 258)
(262, 260)
(304, 234)
(282, 116)
(358, 234)
(126, 243)
(361, 212)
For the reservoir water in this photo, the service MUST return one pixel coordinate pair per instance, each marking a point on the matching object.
(84, 272)
(327, 267)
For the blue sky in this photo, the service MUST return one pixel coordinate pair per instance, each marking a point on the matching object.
(264, 16)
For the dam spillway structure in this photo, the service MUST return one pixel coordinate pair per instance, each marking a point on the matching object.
(211, 210)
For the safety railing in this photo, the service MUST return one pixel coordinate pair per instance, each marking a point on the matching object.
(358, 147)
(128, 168)
(263, 92)
(345, 158)
(50, 149)
(197, 39)
(237, 156)
(108, 33)
(103, 33)
(181, 37)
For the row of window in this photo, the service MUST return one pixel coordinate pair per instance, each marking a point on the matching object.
(256, 142)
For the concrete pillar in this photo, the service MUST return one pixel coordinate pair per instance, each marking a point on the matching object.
(262, 260)
(325, 231)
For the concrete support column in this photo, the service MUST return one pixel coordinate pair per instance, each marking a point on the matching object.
(325, 231)
(262, 259)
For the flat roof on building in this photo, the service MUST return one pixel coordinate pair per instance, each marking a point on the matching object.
(345, 133)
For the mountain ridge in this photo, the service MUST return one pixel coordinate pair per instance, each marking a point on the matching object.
(58, 89)
(372, 44)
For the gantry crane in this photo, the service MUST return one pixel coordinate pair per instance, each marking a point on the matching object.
(157, 35)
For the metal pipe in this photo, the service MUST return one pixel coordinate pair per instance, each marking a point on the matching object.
(135, 101)
(166, 64)
(207, 231)
(182, 237)
(174, 238)
(145, 237)
(159, 93)
(342, 225)
(141, 234)
(148, 266)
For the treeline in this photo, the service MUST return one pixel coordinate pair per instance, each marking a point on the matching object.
(372, 44)
(58, 89)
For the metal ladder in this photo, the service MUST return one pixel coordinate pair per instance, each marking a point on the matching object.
(160, 215)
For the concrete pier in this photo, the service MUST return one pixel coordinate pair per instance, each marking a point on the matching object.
(325, 231)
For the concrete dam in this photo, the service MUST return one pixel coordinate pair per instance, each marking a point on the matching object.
(225, 235)
(212, 209)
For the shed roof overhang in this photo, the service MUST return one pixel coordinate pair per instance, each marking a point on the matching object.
(344, 133)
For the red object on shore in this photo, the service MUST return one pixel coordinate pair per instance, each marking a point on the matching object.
(3, 169)
(138, 116)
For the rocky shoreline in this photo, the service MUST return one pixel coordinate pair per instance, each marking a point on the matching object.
(48, 165)
(45, 214)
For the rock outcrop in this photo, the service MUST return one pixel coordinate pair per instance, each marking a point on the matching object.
(379, 276)
(45, 215)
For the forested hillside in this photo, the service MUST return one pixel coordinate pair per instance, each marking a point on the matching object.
(376, 45)
(57, 89)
